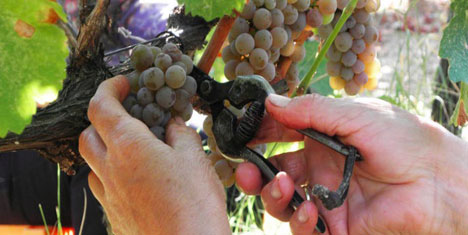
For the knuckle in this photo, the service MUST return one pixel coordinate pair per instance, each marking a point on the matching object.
(93, 107)
(83, 141)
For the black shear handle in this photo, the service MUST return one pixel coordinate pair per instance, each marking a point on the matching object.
(270, 171)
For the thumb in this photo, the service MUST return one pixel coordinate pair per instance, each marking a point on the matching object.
(181, 137)
(327, 115)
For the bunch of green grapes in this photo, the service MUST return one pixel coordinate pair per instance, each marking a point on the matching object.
(265, 31)
(160, 86)
(352, 62)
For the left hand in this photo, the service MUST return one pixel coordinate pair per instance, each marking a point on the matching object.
(145, 185)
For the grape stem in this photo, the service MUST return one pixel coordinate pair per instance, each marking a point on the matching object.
(215, 44)
(305, 82)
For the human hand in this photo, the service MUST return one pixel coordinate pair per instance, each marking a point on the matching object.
(145, 185)
(411, 180)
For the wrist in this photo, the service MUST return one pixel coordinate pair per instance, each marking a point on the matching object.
(453, 181)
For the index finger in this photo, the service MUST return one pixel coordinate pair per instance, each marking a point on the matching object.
(105, 110)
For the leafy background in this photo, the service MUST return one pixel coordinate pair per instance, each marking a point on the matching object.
(30, 68)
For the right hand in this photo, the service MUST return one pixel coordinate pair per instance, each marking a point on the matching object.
(411, 180)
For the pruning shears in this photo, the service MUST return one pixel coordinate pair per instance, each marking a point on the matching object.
(232, 134)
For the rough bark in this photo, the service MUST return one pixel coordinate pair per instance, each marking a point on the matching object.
(55, 129)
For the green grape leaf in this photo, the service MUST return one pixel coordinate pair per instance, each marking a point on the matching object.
(212, 9)
(460, 115)
(454, 43)
(32, 59)
(320, 84)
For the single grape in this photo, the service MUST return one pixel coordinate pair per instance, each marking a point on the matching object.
(361, 3)
(351, 22)
(182, 65)
(159, 132)
(263, 39)
(314, 18)
(268, 72)
(281, 4)
(243, 69)
(368, 55)
(258, 58)
(348, 58)
(327, 6)
(190, 86)
(175, 76)
(277, 18)
(343, 41)
(240, 26)
(136, 111)
(245, 43)
(270, 4)
(186, 114)
(141, 57)
(230, 69)
(129, 102)
(290, 14)
(334, 69)
(152, 115)
(300, 23)
(145, 96)
(208, 126)
(302, 5)
(288, 31)
(373, 68)
(325, 31)
(156, 51)
(341, 4)
(298, 54)
(361, 16)
(274, 55)
(249, 10)
(258, 3)
(288, 49)
(153, 78)
(133, 79)
(167, 117)
(358, 46)
(280, 37)
(372, 6)
(334, 54)
(163, 61)
(232, 46)
(227, 54)
(293, 73)
(165, 97)
(182, 99)
(371, 34)
(223, 169)
(361, 79)
(173, 51)
(358, 67)
(188, 63)
(352, 88)
(371, 84)
(327, 19)
(337, 83)
(358, 31)
(262, 19)
(346, 73)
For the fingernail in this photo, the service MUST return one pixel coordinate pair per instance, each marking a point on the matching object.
(303, 213)
(278, 100)
(179, 120)
(275, 189)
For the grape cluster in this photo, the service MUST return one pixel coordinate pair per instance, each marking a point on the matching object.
(352, 62)
(265, 31)
(160, 86)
